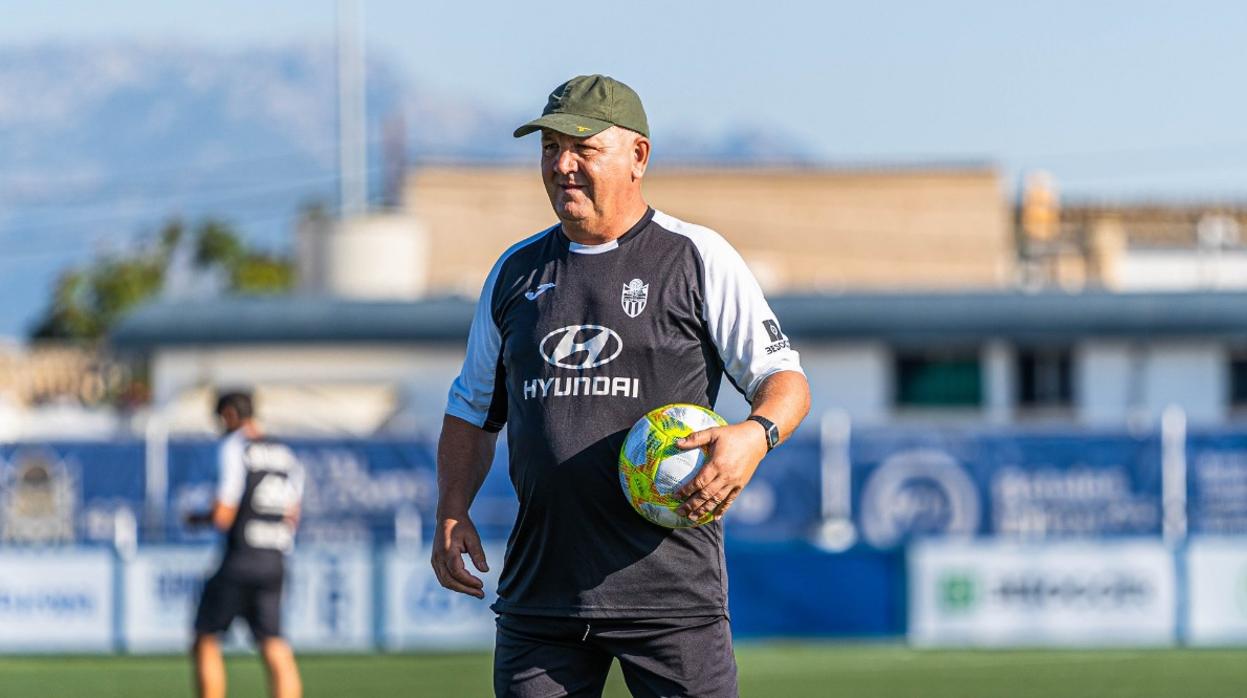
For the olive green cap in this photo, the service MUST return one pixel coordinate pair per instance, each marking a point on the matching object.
(586, 105)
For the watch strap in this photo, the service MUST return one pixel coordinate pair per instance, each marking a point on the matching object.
(772, 431)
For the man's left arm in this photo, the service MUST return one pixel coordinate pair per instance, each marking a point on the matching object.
(231, 480)
(734, 451)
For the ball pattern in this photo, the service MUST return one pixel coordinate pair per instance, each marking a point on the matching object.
(652, 467)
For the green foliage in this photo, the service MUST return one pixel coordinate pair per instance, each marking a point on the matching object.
(258, 273)
(87, 301)
(217, 244)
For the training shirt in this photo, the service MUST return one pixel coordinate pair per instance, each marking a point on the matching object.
(264, 481)
(572, 344)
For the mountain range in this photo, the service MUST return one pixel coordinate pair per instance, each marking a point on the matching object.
(100, 143)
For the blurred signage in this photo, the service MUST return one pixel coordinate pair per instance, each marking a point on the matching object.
(328, 602)
(421, 614)
(37, 499)
(1073, 593)
(918, 491)
(161, 592)
(1216, 570)
(329, 598)
(914, 483)
(56, 600)
(1217, 483)
(907, 483)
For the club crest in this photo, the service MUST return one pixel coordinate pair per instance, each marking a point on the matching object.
(635, 294)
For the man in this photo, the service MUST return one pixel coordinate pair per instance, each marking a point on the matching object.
(580, 330)
(257, 508)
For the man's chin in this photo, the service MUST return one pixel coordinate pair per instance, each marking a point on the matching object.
(569, 212)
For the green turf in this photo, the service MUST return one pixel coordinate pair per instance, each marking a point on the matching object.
(786, 670)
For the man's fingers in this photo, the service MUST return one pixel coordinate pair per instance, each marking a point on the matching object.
(705, 478)
(695, 440)
(477, 553)
(703, 498)
(459, 580)
(722, 509)
(455, 585)
(459, 572)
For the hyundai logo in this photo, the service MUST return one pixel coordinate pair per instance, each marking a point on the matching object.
(581, 346)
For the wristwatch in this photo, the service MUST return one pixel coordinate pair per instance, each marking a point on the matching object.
(772, 431)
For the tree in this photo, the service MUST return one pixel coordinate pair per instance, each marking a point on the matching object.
(88, 301)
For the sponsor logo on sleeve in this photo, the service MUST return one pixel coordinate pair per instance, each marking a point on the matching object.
(778, 341)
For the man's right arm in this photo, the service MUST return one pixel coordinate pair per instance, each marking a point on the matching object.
(464, 454)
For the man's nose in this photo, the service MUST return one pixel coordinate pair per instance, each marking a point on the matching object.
(565, 163)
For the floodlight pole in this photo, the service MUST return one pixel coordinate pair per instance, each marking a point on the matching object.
(352, 156)
(835, 531)
(1173, 474)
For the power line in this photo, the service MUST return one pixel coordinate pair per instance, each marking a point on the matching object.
(37, 252)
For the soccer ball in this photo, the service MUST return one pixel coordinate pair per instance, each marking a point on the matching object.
(652, 468)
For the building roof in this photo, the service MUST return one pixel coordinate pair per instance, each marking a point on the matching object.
(900, 318)
(293, 319)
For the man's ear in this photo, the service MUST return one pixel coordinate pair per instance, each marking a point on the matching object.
(640, 157)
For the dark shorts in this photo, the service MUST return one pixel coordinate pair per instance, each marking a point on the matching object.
(227, 596)
(537, 657)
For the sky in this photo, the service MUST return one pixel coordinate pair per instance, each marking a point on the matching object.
(1117, 99)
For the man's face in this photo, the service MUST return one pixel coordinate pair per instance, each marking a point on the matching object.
(588, 178)
(228, 420)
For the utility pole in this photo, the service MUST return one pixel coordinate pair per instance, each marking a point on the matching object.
(352, 155)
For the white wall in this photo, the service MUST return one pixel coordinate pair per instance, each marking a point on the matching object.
(1118, 380)
(1107, 376)
(1181, 269)
(349, 387)
(358, 387)
(855, 377)
(1192, 374)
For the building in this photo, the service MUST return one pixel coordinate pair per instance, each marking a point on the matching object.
(1092, 359)
(800, 230)
(1136, 246)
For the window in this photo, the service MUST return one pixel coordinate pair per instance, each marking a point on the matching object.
(947, 379)
(1238, 380)
(1045, 377)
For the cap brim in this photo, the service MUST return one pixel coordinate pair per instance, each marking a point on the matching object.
(569, 124)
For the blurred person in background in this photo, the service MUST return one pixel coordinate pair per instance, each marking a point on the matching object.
(586, 580)
(259, 486)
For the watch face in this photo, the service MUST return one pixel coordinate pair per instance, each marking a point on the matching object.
(772, 436)
(772, 431)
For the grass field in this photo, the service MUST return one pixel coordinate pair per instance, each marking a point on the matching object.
(787, 670)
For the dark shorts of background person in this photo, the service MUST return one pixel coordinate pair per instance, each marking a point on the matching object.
(540, 657)
(256, 599)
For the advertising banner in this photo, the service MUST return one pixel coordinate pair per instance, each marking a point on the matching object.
(1074, 593)
(1217, 483)
(911, 483)
(56, 601)
(329, 599)
(421, 614)
(161, 590)
(1216, 574)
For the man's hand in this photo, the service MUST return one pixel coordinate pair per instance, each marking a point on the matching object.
(732, 455)
(455, 536)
